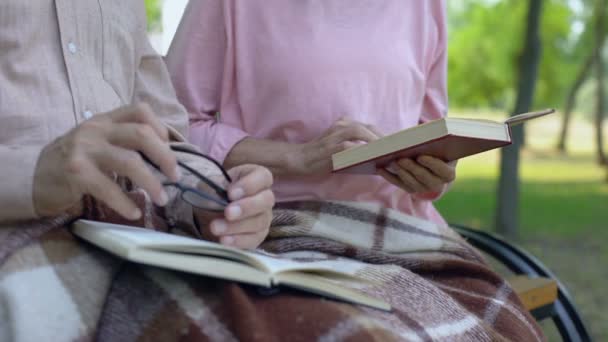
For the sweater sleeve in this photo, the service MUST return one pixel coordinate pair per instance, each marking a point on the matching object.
(198, 63)
(435, 104)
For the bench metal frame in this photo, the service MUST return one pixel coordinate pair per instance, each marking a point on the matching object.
(562, 311)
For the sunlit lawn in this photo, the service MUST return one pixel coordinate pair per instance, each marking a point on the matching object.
(563, 207)
(561, 195)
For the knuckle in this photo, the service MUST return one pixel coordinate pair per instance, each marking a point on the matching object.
(345, 145)
(82, 134)
(451, 175)
(131, 158)
(75, 164)
(141, 109)
(267, 176)
(143, 132)
(340, 122)
(90, 125)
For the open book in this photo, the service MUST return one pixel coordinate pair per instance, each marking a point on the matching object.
(448, 139)
(322, 277)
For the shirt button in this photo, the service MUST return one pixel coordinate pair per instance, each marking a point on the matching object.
(87, 115)
(72, 48)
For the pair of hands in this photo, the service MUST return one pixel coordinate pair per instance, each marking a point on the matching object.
(83, 162)
(426, 176)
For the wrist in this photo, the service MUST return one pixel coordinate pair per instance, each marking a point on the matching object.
(293, 159)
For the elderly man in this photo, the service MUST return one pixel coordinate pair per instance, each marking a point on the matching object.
(72, 77)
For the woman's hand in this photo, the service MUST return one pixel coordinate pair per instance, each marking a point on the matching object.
(314, 157)
(246, 220)
(426, 177)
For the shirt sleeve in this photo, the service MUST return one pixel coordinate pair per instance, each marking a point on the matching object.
(153, 86)
(435, 104)
(199, 65)
(16, 185)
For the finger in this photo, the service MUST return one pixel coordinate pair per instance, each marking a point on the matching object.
(421, 174)
(409, 180)
(248, 180)
(259, 223)
(244, 241)
(92, 181)
(143, 114)
(353, 132)
(335, 148)
(130, 164)
(342, 122)
(440, 168)
(375, 130)
(391, 178)
(250, 206)
(140, 137)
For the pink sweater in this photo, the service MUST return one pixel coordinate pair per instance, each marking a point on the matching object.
(287, 69)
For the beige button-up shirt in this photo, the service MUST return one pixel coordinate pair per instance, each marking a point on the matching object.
(62, 61)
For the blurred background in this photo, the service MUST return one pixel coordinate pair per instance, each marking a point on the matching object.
(549, 192)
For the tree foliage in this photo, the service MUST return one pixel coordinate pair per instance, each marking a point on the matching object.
(153, 9)
(486, 45)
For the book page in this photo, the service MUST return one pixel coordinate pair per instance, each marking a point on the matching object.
(311, 262)
(134, 239)
(130, 239)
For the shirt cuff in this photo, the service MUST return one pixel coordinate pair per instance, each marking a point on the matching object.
(17, 183)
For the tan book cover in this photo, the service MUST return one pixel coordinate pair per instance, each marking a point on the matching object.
(448, 139)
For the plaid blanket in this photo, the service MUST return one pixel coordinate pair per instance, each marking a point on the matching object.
(53, 285)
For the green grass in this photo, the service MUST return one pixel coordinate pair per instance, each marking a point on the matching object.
(561, 195)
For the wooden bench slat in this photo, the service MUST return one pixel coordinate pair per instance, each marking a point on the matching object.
(534, 292)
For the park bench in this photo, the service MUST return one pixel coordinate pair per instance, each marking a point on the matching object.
(540, 291)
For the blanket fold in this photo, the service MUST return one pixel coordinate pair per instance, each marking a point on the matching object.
(54, 285)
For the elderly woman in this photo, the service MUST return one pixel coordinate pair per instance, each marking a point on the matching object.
(296, 81)
(287, 83)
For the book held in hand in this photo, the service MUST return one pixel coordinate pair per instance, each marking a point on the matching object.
(319, 276)
(448, 139)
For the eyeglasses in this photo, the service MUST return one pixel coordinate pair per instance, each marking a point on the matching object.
(215, 198)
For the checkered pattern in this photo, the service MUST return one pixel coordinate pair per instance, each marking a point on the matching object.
(54, 285)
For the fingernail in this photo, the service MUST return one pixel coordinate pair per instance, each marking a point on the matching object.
(136, 215)
(236, 194)
(219, 227)
(234, 212)
(227, 240)
(164, 198)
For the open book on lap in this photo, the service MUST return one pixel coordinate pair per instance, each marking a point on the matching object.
(323, 277)
(448, 139)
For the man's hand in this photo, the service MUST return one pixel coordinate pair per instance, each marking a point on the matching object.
(83, 162)
(246, 220)
(427, 176)
(314, 157)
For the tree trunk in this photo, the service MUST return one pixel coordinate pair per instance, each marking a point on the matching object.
(571, 100)
(507, 215)
(600, 34)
